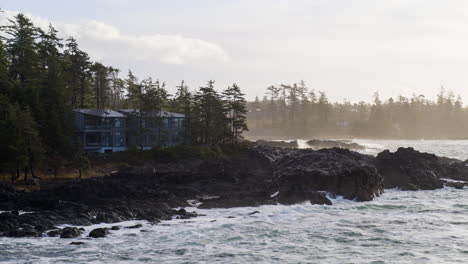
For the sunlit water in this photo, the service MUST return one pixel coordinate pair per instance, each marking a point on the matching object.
(398, 227)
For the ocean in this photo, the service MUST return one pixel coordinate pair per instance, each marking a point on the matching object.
(397, 227)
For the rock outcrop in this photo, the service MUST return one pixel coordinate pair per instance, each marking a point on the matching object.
(99, 232)
(281, 144)
(345, 144)
(409, 169)
(335, 171)
(252, 176)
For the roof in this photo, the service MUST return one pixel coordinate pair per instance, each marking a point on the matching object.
(100, 112)
(152, 114)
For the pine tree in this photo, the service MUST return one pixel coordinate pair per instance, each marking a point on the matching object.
(5, 85)
(77, 70)
(239, 114)
(24, 60)
(209, 114)
(183, 104)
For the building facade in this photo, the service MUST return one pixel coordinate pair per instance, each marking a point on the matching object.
(104, 130)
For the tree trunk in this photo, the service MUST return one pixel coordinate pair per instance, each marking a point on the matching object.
(26, 175)
(82, 93)
(17, 171)
(31, 169)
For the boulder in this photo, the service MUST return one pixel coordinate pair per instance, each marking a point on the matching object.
(99, 232)
(336, 171)
(134, 226)
(409, 169)
(70, 232)
(54, 233)
(76, 243)
(300, 195)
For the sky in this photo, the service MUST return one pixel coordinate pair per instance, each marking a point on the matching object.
(348, 48)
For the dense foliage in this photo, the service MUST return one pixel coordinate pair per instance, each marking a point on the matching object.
(296, 111)
(43, 78)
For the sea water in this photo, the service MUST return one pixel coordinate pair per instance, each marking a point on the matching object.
(397, 227)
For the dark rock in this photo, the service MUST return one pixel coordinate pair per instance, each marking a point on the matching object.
(235, 200)
(24, 233)
(54, 233)
(337, 171)
(456, 185)
(70, 232)
(300, 195)
(320, 144)
(134, 226)
(409, 169)
(99, 232)
(114, 228)
(280, 144)
(254, 212)
(182, 214)
(77, 243)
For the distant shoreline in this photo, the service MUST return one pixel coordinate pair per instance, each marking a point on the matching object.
(254, 138)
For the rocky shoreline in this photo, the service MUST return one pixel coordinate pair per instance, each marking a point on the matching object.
(255, 175)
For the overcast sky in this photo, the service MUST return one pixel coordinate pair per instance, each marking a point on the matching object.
(347, 48)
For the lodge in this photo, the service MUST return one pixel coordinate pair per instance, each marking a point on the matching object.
(105, 130)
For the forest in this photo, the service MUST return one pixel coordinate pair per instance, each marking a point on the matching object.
(43, 78)
(295, 111)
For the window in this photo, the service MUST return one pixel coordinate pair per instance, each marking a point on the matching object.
(119, 139)
(93, 139)
(118, 123)
(153, 140)
(165, 123)
(106, 139)
(91, 122)
(181, 122)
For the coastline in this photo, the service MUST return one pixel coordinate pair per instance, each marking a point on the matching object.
(247, 177)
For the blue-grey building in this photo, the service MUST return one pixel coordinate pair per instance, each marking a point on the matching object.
(104, 130)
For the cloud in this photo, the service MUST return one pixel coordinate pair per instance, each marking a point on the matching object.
(103, 41)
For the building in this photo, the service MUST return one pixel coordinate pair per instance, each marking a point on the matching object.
(104, 130)
(152, 129)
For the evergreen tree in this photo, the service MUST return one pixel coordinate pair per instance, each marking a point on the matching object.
(183, 104)
(5, 85)
(77, 70)
(209, 115)
(239, 116)
(24, 60)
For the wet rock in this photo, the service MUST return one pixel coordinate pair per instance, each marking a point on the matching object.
(337, 171)
(134, 226)
(456, 185)
(254, 212)
(320, 144)
(54, 233)
(70, 232)
(235, 200)
(77, 243)
(280, 144)
(24, 233)
(115, 228)
(409, 169)
(300, 195)
(99, 232)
